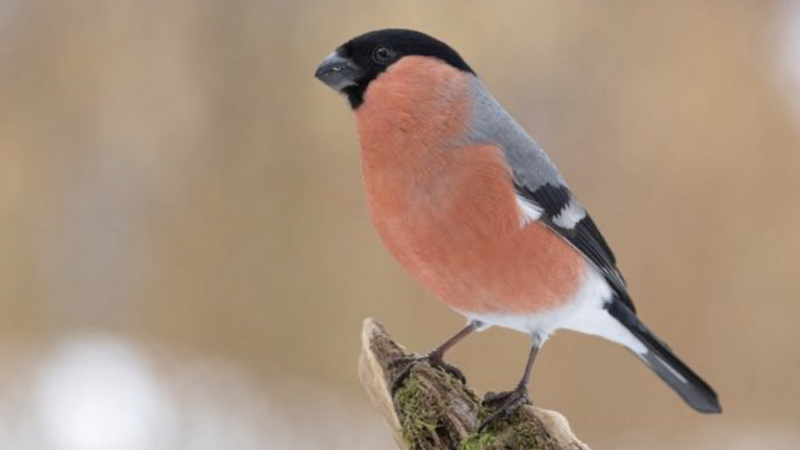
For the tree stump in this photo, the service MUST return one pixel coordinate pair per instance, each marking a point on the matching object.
(434, 410)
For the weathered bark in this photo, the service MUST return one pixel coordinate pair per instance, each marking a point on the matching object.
(433, 410)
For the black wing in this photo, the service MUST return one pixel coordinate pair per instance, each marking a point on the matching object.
(562, 213)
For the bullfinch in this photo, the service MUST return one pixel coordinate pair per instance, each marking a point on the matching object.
(478, 214)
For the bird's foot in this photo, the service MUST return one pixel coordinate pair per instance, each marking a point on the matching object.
(407, 364)
(503, 404)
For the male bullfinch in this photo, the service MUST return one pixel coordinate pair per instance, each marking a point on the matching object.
(477, 212)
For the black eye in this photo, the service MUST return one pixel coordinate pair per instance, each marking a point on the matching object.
(382, 55)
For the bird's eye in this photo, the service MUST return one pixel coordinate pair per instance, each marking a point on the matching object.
(382, 55)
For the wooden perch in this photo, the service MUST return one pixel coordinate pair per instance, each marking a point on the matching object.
(435, 411)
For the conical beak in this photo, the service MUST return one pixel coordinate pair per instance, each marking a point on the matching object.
(337, 72)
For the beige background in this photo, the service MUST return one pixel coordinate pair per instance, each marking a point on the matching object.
(186, 258)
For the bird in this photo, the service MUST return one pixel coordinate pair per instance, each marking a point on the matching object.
(478, 214)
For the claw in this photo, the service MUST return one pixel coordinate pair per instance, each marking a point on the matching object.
(454, 371)
(410, 362)
(506, 404)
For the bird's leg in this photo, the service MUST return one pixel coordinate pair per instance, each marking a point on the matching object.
(435, 358)
(507, 402)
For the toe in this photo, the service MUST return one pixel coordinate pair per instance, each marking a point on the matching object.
(494, 398)
(454, 371)
(508, 403)
(406, 364)
(401, 377)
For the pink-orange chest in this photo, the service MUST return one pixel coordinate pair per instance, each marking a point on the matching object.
(449, 212)
(437, 205)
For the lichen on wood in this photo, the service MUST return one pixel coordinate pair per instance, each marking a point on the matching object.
(432, 410)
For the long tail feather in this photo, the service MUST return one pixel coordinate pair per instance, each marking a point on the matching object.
(660, 359)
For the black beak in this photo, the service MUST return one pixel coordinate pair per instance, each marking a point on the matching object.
(337, 72)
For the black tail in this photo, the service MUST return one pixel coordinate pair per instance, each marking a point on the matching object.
(660, 359)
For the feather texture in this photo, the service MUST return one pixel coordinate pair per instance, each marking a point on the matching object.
(583, 235)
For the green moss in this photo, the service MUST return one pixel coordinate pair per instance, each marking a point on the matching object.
(420, 422)
(516, 431)
(425, 426)
(475, 441)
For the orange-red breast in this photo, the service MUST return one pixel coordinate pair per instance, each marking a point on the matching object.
(476, 211)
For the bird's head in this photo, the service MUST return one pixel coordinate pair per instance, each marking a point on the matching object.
(355, 64)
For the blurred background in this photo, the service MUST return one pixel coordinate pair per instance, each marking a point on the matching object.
(186, 257)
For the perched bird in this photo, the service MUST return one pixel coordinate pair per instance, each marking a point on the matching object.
(477, 212)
